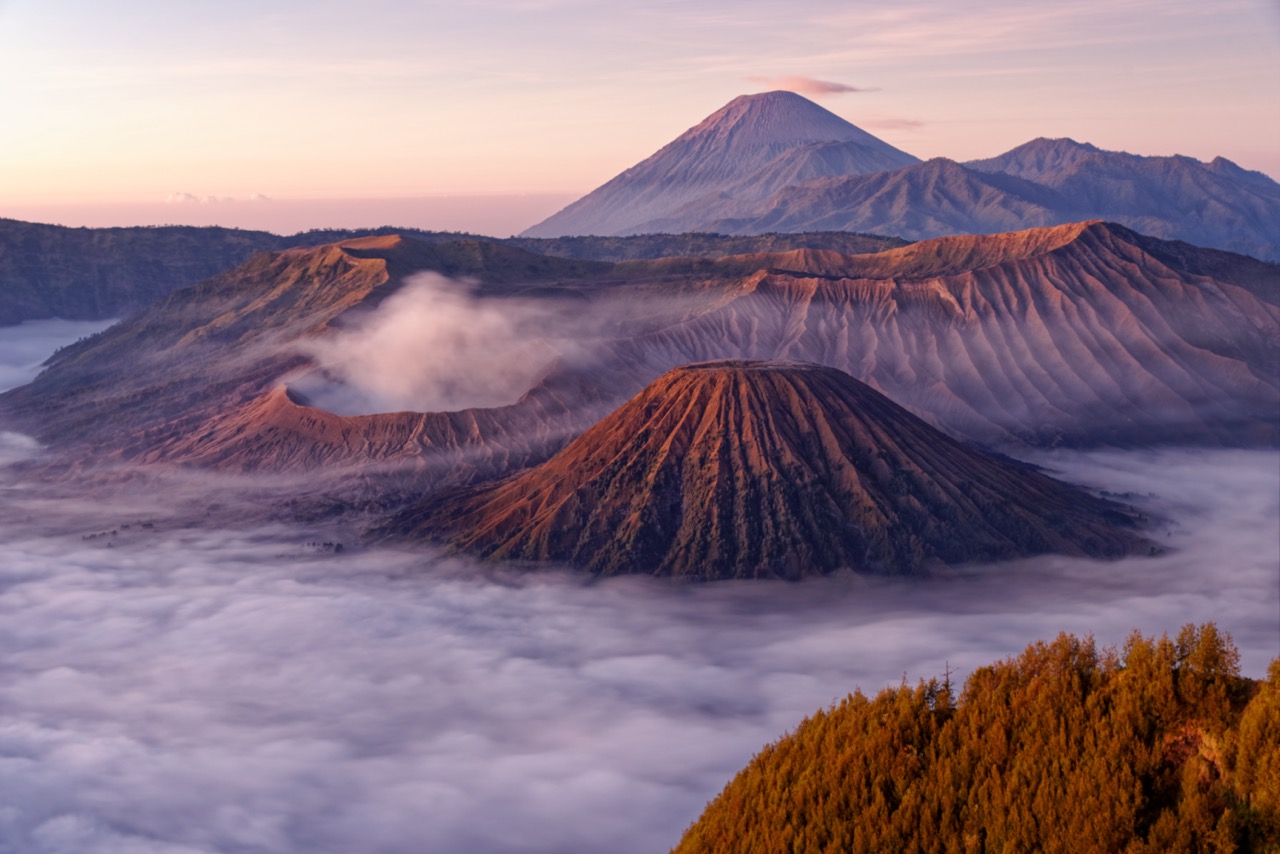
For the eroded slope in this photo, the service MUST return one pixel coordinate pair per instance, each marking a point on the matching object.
(748, 469)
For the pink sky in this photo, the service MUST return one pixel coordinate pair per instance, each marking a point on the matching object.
(118, 107)
(493, 214)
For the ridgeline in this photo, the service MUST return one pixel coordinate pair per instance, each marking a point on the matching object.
(1158, 747)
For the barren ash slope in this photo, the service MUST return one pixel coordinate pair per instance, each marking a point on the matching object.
(737, 469)
(1086, 334)
(1083, 334)
(199, 378)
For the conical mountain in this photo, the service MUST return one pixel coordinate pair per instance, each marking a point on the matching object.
(776, 162)
(734, 151)
(736, 469)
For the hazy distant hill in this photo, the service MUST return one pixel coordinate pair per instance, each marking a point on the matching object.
(1214, 204)
(98, 273)
(740, 469)
(934, 198)
(92, 274)
(1047, 182)
(640, 247)
(703, 181)
(1158, 747)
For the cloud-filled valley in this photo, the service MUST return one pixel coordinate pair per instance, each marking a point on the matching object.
(166, 687)
(183, 689)
(399, 540)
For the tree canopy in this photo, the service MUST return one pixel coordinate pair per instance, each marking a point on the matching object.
(1159, 746)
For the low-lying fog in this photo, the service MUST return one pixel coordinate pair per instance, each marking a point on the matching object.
(178, 690)
(25, 346)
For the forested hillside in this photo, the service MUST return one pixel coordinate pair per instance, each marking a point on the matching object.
(1160, 746)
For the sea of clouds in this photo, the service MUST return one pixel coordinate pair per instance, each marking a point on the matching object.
(185, 689)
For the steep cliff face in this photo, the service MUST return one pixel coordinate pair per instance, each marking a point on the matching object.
(747, 469)
(198, 351)
(100, 273)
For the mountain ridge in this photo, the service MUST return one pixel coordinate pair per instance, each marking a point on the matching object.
(1043, 182)
(102, 273)
(1079, 335)
(1030, 342)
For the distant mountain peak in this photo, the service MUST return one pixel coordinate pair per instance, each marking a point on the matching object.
(749, 146)
(1039, 156)
(775, 162)
(939, 164)
(777, 118)
(1060, 143)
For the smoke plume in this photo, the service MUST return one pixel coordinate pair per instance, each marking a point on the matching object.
(430, 347)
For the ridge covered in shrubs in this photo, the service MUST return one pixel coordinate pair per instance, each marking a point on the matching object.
(1159, 746)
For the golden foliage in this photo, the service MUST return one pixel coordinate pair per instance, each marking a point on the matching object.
(1161, 746)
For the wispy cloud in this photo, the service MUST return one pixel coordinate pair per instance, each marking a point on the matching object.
(807, 85)
(892, 123)
(184, 198)
(926, 28)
